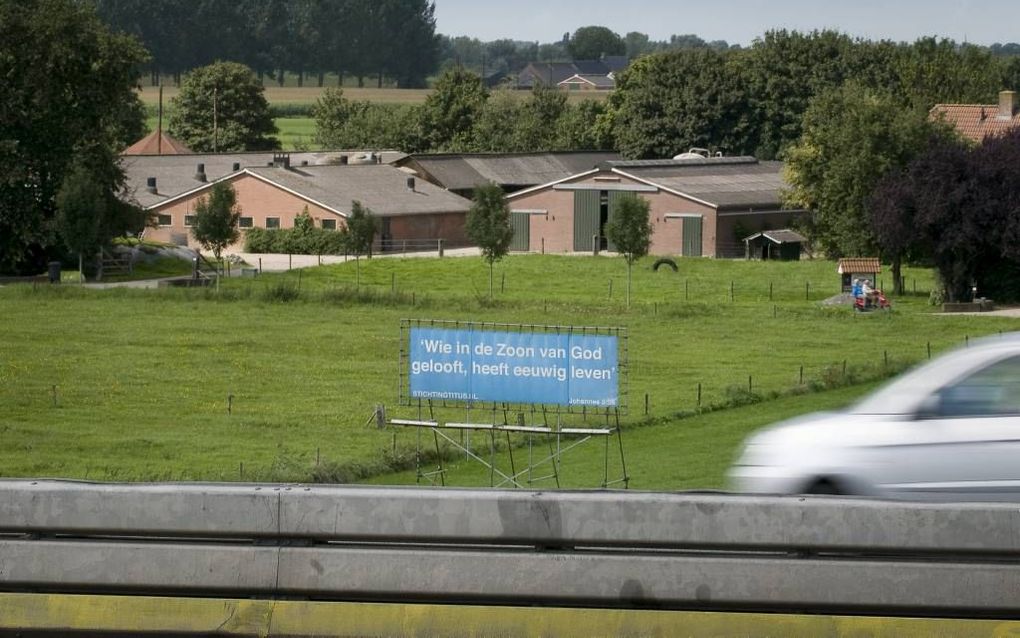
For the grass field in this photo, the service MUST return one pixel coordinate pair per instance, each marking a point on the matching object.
(135, 385)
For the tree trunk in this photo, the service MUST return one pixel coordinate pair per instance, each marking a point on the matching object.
(361, 81)
(628, 283)
(322, 78)
(81, 270)
(340, 79)
(897, 278)
(490, 280)
(300, 79)
(380, 81)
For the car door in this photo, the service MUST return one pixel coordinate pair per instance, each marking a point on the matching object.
(964, 443)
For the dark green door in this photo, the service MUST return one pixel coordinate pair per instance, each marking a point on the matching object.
(586, 219)
(692, 237)
(521, 223)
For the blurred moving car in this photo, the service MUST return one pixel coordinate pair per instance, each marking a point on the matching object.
(946, 430)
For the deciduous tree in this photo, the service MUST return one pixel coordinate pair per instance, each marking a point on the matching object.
(488, 225)
(852, 137)
(360, 233)
(450, 111)
(68, 87)
(216, 219)
(630, 230)
(593, 42)
(223, 107)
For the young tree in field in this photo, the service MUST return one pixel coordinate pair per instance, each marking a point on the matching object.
(488, 225)
(222, 107)
(360, 233)
(216, 219)
(630, 229)
(81, 205)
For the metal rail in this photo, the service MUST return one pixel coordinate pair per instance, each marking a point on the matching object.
(599, 549)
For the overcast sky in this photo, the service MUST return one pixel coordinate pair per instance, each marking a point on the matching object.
(736, 21)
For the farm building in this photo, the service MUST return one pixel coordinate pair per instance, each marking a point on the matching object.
(158, 143)
(272, 194)
(554, 73)
(783, 244)
(698, 206)
(462, 172)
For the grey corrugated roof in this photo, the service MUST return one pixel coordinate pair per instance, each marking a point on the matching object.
(465, 171)
(735, 184)
(784, 236)
(175, 174)
(382, 187)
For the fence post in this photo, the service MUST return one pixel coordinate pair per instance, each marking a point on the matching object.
(594, 245)
(807, 290)
(543, 245)
(699, 395)
(440, 248)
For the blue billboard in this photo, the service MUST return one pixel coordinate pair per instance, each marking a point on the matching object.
(554, 368)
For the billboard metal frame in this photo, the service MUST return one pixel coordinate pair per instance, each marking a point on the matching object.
(404, 379)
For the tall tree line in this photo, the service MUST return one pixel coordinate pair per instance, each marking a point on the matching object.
(386, 40)
(753, 100)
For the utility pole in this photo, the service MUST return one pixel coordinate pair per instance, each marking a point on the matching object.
(215, 129)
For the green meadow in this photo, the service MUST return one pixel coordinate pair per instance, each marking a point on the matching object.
(277, 377)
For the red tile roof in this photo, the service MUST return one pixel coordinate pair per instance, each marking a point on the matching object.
(975, 121)
(859, 265)
(157, 143)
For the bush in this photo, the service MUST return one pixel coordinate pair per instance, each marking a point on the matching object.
(304, 241)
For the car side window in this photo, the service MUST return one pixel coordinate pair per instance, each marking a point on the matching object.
(991, 391)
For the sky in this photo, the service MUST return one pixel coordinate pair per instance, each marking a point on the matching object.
(736, 21)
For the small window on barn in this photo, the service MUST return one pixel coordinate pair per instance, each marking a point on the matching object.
(189, 220)
(329, 224)
(245, 222)
(272, 222)
(164, 220)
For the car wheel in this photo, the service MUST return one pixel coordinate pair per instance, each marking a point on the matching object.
(824, 486)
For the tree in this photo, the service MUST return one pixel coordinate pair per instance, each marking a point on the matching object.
(222, 107)
(68, 87)
(669, 102)
(488, 225)
(216, 219)
(959, 206)
(594, 42)
(81, 204)
(450, 111)
(630, 230)
(637, 44)
(852, 137)
(360, 233)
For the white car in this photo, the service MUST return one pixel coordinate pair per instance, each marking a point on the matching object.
(946, 430)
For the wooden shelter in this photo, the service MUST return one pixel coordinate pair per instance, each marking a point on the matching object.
(783, 245)
(851, 268)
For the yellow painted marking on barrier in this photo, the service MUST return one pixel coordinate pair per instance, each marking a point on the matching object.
(267, 618)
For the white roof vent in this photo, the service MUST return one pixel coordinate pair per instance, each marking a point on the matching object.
(695, 154)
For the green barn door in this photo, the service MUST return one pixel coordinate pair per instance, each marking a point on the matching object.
(692, 237)
(614, 196)
(521, 223)
(586, 219)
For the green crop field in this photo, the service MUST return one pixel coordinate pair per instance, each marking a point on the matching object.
(135, 384)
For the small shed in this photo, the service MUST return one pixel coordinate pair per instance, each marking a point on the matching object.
(851, 268)
(782, 244)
